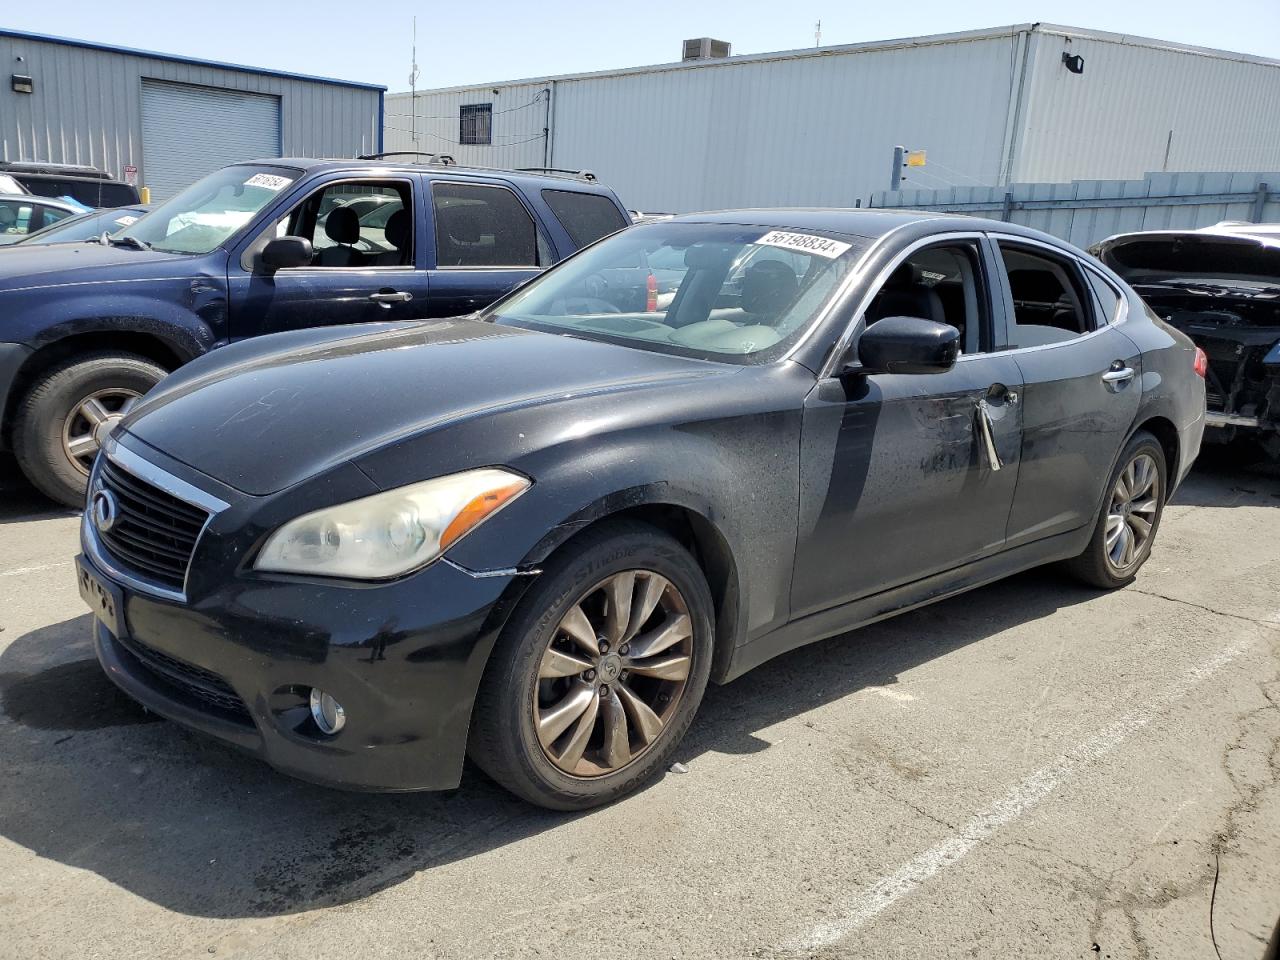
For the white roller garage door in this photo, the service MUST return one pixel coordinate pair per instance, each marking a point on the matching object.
(188, 131)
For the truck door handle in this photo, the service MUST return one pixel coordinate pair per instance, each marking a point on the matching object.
(391, 296)
(988, 439)
(1118, 374)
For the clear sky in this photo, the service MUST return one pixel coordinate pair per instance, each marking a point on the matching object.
(484, 40)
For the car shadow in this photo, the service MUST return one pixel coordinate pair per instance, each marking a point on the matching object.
(1230, 476)
(20, 501)
(200, 829)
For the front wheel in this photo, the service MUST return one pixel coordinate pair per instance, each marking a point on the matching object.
(599, 673)
(67, 414)
(1130, 517)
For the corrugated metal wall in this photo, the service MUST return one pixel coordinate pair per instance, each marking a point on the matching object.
(519, 117)
(805, 128)
(1086, 211)
(1140, 107)
(87, 106)
(819, 126)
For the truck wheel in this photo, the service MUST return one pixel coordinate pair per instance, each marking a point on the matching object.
(69, 411)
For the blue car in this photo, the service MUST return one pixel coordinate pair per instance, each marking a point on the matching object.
(257, 248)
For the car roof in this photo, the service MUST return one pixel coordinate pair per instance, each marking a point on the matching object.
(48, 201)
(580, 182)
(856, 221)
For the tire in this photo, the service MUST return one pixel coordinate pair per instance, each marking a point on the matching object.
(513, 702)
(1096, 565)
(41, 423)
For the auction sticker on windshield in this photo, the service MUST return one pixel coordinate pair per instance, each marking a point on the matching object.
(804, 243)
(268, 181)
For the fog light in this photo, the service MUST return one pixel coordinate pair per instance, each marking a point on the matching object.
(327, 712)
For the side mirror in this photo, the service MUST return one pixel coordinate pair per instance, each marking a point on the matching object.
(907, 345)
(285, 252)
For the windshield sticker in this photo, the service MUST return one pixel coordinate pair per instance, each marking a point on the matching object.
(804, 243)
(268, 181)
(125, 221)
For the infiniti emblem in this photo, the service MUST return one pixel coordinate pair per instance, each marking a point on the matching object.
(104, 510)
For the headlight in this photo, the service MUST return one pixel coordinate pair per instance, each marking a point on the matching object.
(390, 533)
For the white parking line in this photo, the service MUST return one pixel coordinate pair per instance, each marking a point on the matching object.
(1022, 798)
(23, 571)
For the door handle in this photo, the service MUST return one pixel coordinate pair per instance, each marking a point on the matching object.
(402, 296)
(988, 438)
(1118, 374)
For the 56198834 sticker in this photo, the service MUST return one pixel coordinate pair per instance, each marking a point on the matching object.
(804, 243)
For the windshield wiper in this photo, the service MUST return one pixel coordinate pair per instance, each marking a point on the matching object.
(128, 241)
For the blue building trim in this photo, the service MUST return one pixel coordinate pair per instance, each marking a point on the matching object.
(382, 118)
(174, 58)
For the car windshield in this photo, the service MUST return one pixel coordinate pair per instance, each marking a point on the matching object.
(87, 226)
(210, 211)
(720, 291)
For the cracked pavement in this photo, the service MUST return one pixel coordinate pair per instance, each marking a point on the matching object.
(1033, 769)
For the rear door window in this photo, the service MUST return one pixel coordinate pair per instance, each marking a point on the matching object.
(1051, 302)
(480, 225)
(586, 217)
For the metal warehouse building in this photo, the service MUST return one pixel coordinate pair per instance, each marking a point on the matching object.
(1033, 102)
(161, 120)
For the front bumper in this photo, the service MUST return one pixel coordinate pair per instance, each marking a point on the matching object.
(404, 659)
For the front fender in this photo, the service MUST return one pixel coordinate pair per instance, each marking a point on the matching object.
(189, 314)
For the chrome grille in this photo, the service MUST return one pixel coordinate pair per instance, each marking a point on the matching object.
(154, 533)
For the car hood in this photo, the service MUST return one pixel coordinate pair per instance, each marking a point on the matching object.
(1210, 255)
(38, 265)
(266, 414)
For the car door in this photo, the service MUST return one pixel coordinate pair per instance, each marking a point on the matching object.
(1081, 386)
(485, 243)
(366, 234)
(897, 478)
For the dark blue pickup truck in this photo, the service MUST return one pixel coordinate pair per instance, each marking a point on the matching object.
(260, 248)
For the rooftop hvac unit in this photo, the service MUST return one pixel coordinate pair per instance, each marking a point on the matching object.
(704, 48)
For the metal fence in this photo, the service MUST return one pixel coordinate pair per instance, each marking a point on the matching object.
(1086, 211)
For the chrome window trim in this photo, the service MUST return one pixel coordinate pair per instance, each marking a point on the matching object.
(842, 344)
(133, 464)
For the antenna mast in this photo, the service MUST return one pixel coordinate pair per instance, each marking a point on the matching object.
(413, 88)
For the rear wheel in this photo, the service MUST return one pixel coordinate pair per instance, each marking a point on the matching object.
(599, 673)
(67, 414)
(1130, 517)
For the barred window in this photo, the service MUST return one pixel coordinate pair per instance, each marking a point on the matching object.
(475, 123)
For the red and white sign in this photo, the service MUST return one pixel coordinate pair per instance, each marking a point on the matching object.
(131, 174)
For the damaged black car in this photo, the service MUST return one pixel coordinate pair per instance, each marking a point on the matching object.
(1221, 287)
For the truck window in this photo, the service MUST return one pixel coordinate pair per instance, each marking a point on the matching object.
(478, 225)
(586, 217)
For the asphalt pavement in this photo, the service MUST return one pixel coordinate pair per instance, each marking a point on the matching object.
(1034, 769)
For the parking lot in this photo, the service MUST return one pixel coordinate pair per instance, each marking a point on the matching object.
(1033, 769)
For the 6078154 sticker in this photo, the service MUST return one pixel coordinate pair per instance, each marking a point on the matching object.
(268, 181)
(804, 243)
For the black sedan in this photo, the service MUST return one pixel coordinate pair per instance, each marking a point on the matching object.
(534, 535)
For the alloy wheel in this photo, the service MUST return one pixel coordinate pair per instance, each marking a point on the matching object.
(1131, 516)
(89, 422)
(613, 674)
